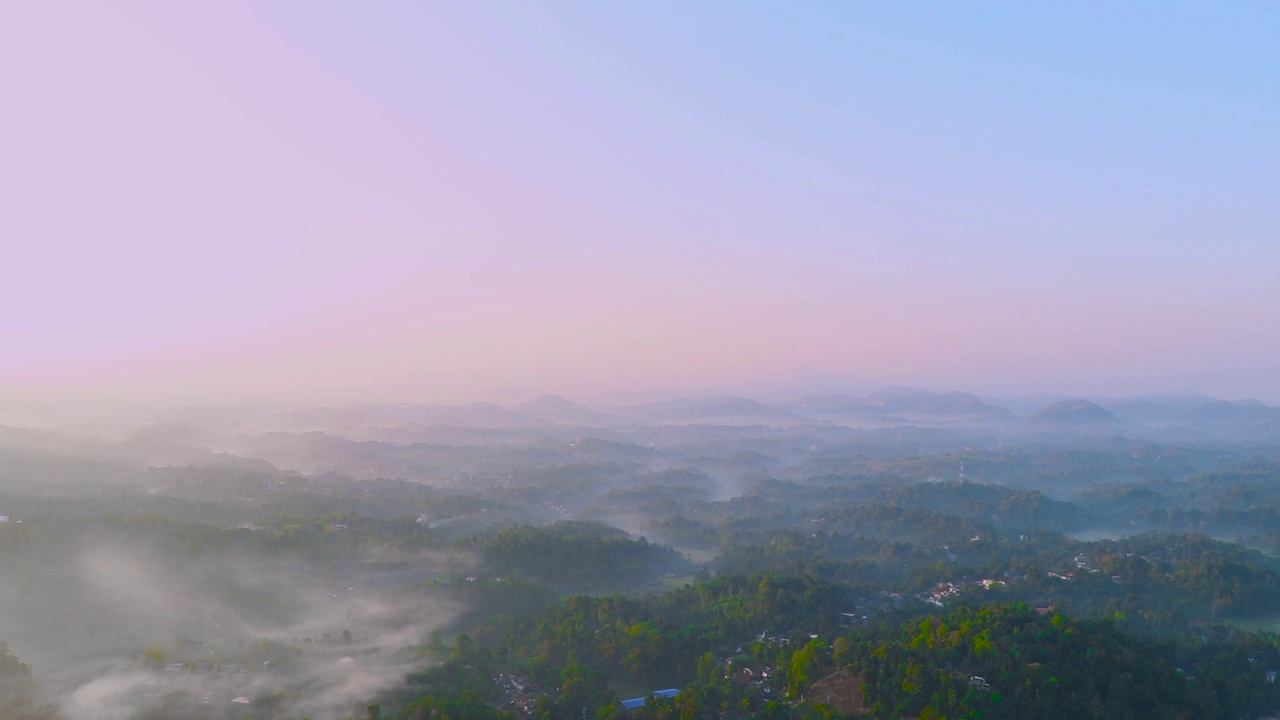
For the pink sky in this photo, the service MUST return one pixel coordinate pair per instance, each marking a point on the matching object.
(215, 201)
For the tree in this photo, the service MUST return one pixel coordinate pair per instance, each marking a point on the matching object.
(18, 691)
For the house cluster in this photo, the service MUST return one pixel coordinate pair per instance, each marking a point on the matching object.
(1083, 562)
(943, 591)
(940, 593)
(518, 694)
(779, 640)
(747, 670)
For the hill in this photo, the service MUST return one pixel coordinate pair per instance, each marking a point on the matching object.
(1016, 662)
(1076, 412)
(721, 410)
(557, 409)
(902, 402)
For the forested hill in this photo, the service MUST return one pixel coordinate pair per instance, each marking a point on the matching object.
(582, 556)
(1016, 662)
(772, 647)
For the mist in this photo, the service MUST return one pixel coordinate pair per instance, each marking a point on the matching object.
(312, 561)
(121, 620)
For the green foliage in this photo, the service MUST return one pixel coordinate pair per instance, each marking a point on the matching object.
(463, 707)
(1048, 667)
(18, 691)
(577, 555)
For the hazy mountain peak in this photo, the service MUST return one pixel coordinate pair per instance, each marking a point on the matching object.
(1076, 412)
(551, 401)
(902, 391)
(726, 409)
(559, 409)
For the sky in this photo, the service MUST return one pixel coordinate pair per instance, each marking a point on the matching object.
(451, 201)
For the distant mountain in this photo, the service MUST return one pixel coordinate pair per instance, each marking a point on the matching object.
(1183, 401)
(1023, 405)
(827, 403)
(1221, 410)
(557, 409)
(902, 402)
(930, 403)
(1076, 412)
(1146, 411)
(452, 435)
(721, 410)
(23, 437)
(1237, 412)
(482, 414)
(1176, 418)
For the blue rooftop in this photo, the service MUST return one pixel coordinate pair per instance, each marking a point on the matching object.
(634, 703)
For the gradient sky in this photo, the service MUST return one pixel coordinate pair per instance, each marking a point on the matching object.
(443, 200)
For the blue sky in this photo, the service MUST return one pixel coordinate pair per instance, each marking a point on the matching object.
(435, 200)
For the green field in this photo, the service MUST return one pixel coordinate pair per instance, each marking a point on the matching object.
(699, 556)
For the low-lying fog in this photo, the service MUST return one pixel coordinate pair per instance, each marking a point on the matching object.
(115, 624)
